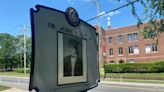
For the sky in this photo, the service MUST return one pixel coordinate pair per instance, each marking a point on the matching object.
(15, 13)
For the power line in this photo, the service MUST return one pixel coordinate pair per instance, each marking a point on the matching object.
(112, 10)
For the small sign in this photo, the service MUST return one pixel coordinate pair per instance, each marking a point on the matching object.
(102, 72)
(64, 52)
(72, 16)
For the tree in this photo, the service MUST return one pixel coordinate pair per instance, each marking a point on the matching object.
(21, 50)
(153, 13)
(8, 51)
(29, 50)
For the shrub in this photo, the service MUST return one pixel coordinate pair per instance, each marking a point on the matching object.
(159, 66)
(135, 68)
(21, 70)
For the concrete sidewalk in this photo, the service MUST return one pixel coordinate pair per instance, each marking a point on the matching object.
(14, 90)
(111, 83)
(132, 84)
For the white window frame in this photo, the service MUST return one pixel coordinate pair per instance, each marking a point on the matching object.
(110, 41)
(129, 37)
(148, 48)
(136, 49)
(135, 37)
(111, 49)
(119, 39)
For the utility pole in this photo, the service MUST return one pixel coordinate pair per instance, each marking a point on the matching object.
(20, 52)
(24, 32)
(101, 63)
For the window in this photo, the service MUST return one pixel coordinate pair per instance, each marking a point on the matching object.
(121, 61)
(112, 62)
(129, 37)
(130, 49)
(120, 39)
(110, 40)
(120, 51)
(151, 48)
(111, 51)
(131, 60)
(135, 35)
(154, 48)
(148, 48)
(136, 50)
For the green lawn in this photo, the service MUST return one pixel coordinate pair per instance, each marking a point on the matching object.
(13, 74)
(136, 81)
(145, 76)
(3, 88)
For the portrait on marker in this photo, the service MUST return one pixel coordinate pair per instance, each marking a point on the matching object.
(72, 56)
(72, 61)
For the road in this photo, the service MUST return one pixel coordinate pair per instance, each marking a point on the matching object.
(119, 88)
(22, 83)
(17, 82)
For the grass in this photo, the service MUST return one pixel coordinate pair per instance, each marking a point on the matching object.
(145, 76)
(2, 88)
(13, 74)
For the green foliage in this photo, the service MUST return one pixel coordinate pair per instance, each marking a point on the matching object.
(21, 70)
(2, 88)
(7, 51)
(11, 51)
(159, 67)
(135, 68)
(153, 13)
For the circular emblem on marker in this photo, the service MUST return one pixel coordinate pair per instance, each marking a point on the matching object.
(72, 16)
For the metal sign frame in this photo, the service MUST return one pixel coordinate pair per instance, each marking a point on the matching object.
(32, 11)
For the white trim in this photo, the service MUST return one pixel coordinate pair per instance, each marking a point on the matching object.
(120, 55)
(154, 51)
(124, 33)
(126, 58)
(111, 55)
(148, 57)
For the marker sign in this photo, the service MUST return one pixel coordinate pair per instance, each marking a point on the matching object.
(64, 51)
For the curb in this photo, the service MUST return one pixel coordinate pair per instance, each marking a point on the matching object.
(15, 77)
(132, 84)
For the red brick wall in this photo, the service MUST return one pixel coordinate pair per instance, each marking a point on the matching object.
(141, 42)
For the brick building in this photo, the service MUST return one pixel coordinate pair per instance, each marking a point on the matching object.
(126, 45)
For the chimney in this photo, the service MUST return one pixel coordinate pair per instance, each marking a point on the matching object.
(108, 22)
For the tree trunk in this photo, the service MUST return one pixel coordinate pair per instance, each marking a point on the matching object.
(11, 65)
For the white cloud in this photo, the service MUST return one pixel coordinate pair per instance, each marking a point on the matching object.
(71, 1)
(109, 14)
(101, 13)
(113, 13)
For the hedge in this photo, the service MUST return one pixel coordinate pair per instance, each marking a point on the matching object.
(157, 67)
(21, 70)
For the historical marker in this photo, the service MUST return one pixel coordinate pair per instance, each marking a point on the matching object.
(64, 52)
